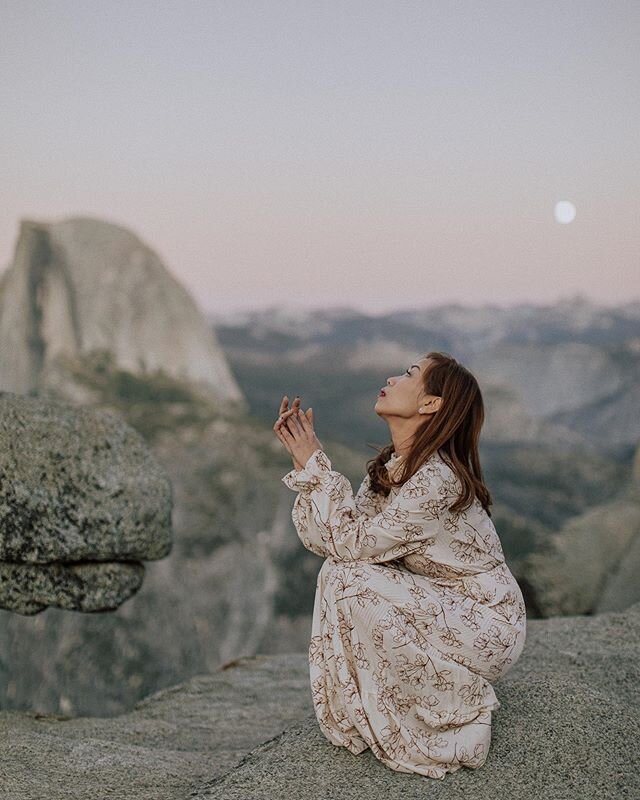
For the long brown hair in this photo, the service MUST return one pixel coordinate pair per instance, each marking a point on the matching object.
(453, 431)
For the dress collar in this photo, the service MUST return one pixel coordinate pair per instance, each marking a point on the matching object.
(392, 463)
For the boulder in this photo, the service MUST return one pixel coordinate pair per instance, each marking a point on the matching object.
(83, 502)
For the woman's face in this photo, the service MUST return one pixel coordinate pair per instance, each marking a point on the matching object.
(404, 394)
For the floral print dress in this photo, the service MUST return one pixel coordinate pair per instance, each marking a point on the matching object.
(416, 614)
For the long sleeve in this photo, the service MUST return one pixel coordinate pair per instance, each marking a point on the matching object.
(367, 501)
(329, 523)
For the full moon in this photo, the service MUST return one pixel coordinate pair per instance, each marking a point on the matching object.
(564, 211)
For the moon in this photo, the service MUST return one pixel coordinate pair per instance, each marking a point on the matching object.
(564, 212)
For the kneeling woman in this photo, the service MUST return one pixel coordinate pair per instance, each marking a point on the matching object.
(416, 611)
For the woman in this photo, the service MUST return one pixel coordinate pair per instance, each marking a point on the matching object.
(416, 612)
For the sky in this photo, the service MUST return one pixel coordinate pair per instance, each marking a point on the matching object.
(318, 154)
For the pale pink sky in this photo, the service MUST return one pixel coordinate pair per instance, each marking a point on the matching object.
(373, 154)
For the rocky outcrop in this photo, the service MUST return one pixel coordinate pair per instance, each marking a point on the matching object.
(212, 599)
(592, 564)
(84, 285)
(79, 485)
(83, 502)
(567, 728)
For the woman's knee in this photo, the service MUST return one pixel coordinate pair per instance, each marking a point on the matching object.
(338, 573)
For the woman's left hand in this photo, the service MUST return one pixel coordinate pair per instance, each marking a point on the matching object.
(299, 437)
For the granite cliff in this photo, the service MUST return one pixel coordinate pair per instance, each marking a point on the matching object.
(83, 285)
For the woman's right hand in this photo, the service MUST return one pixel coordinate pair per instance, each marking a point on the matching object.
(285, 413)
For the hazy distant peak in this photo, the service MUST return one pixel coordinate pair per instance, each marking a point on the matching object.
(82, 284)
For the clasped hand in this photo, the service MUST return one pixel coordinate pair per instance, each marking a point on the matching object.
(294, 428)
